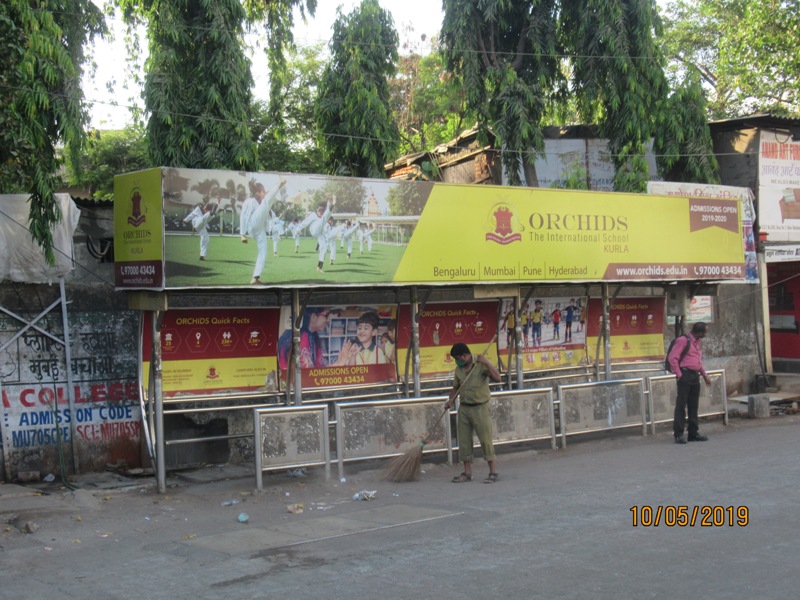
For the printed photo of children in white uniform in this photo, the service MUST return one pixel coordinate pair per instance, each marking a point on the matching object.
(273, 228)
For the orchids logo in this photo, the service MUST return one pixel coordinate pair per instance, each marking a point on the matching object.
(137, 217)
(502, 226)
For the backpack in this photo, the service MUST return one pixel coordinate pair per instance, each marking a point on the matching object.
(683, 354)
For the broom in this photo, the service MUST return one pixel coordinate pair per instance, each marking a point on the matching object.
(407, 467)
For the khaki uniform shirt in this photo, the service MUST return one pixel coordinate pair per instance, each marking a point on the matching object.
(476, 388)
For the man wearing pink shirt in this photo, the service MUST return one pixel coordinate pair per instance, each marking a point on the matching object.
(688, 370)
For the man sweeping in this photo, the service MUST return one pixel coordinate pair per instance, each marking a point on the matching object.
(471, 382)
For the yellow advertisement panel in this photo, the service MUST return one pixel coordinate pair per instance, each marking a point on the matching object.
(238, 229)
(206, 351)
(138, 230)
(472, 233)
(440, 326)
(210, 376)
(633, 347)
(636, 326)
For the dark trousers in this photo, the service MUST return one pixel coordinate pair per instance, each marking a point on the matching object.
(688, 398)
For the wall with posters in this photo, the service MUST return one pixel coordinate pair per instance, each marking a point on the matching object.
(104, 427)
(779, 215)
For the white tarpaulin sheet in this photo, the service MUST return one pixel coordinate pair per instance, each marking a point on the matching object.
(21, 259)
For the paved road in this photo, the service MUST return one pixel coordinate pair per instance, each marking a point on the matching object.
(557, 525)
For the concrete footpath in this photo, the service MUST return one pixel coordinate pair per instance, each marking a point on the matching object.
(558, 524)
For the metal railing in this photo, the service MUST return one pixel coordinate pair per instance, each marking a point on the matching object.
(367, 426)
(601, 405)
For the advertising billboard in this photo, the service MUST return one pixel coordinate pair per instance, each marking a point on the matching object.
(553, 332)
(206, 351)
(341, 345)
(210, 228)
(440, 326)
(636, 326)
(779, 186)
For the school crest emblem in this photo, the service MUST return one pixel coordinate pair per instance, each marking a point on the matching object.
(137, 217)
(503, 227)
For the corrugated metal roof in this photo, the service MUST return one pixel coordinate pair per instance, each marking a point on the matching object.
(756, 120)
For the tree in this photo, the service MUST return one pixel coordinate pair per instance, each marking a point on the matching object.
(516, 59)
(197, 83)
(747, 52)
(617, 73)
(278, 18)
(109, 153)
(354, 118)
(289, 144)
(683, 144)
(506, 55)
(429, 104)
(41, 103)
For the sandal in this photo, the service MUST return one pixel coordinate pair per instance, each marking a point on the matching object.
(492, 478)
(463, 478)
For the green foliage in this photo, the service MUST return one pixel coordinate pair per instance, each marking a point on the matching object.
(691, 31)
(429, 103)
(618, 66)
(208, 188)
(41, 59)
(354, 118)
(278, 19)
(288, 144)
(428, 170)
(683, 144)
(106, 154)
(575, 177)
(746, 51)
(197, 84)
(506, 55)
(290, 212)
(514, 60)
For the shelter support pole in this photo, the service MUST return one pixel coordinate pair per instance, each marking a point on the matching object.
(518, 341)
(606, 334)
(70, 383)
(5, 473)
(296, 322)
(145, 397)
(415, 340)
(762, 277)
(521, 343)
(158, 399)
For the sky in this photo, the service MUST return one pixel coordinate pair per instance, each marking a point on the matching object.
(112, 82)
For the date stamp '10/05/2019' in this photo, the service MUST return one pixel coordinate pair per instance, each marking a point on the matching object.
(690, 516)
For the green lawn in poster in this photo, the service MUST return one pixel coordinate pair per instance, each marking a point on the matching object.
(230, 262)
